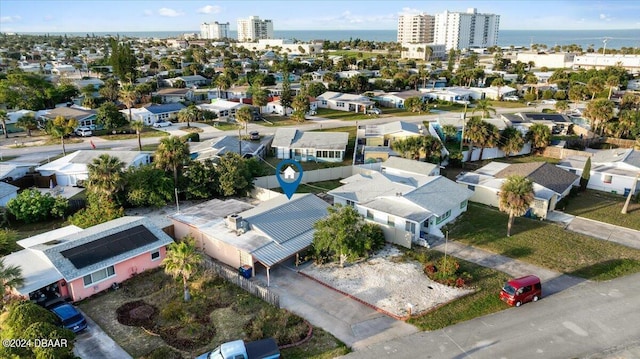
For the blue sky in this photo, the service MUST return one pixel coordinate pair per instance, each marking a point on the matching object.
(146, 15)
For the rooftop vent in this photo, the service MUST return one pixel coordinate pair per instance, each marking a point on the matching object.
(234, 222)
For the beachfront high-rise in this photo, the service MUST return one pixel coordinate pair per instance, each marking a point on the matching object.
(253, 29)
(214, 30)
(416, 28)
(464, 30)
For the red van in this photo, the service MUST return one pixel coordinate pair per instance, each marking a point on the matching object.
(521, 290)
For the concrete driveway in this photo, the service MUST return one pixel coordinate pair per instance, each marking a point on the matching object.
(608, 232)
(352, 322)
(94, 343)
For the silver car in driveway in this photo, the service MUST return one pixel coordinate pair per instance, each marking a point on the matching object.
(161, 124)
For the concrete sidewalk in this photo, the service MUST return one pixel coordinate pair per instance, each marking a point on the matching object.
(596, 229)
(554, 282)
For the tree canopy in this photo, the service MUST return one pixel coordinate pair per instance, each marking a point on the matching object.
(515, 198)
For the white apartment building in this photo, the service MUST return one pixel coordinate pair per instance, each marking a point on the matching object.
(464, 30)
(214, 30)
(415, 28)
(419, 51)
(253, 29)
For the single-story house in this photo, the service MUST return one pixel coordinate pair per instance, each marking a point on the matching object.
(237, 233)
(451, 94)
(84, 117)
(493, 92)
(344, 102)
(386, 134)
(612, 171)
(290, 143)
(153, 113)
(11, 171)
(550, 184)
(174, 95)
(408, 199)
(73, 263)
(222, 108)
(558, 123)
(7, 192)
(397, 99)
(218, 147)
(73, 167)
(189, 81)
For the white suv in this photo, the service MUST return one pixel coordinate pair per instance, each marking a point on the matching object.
(84, 132)
(511, 98)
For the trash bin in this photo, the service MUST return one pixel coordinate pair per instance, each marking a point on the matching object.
(245, 271)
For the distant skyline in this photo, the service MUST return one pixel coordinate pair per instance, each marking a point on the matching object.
(88, 16)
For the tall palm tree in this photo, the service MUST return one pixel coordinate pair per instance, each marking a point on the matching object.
(474, 133)
(171, 155)
(182, 260)
(485, 107)
(138, 126)
(3, 120)
(244, 116)
(515, 198)
(612, 81)
(61, 127)
(128, 96)
(10, 276)
(28, 123)
(595, 85)
(599, 111)
(511, 141)
(498, 82)
(432, 147)
(188, 115)
(539, 135)
(106, 176)
(562, 106)
(490, 138)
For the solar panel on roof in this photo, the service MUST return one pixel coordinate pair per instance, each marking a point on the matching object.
(109, 246)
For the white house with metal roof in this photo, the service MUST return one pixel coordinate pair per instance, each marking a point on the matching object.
(73, 167)
(219, 146)
(406, 198)
(153, 113)
(344, 102)
(222, 108)
(73, 263)
(612, 170)
(237, 233)
(291, 143)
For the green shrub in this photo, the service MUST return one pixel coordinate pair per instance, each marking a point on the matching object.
(191, 137)
(173, 311)
(32, 205)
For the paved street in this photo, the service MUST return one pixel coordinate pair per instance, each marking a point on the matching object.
(592, 320)
(94, 343)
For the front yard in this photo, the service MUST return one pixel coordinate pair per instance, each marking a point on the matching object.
(543, 244)
(158, 324)
(604, 207)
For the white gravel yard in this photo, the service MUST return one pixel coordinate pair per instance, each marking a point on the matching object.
(388, 285)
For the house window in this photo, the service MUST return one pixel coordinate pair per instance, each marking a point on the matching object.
(607, 179)
(391, 221)
(473, 188)
(324, 102)
(463, 204)
(99, 276)
(340, 104)
(369, 214)
(350, 203)
(410, 227)
(443, 217)
(155, 255)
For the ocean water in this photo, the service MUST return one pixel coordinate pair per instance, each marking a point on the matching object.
(615, 38)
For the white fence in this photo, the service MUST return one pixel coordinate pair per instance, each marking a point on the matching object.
(491, 153)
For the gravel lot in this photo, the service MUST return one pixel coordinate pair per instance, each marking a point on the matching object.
(386, 284)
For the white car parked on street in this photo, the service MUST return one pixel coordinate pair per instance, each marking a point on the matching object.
(511, 98)
(549, 102)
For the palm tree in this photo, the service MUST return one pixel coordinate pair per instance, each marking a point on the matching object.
(599, 111)
(188, 115)
(511, 141)
(539, 135)
(449, 131)
(432, 148)
(491, 137)
(612, 81)
(498, 82)
(562, 106)
(182, 260)
(244, 116)
(27, 122)
(171, 155)
(138, 126)
(10, 276)
(3, 120)
(61, 127)
(106, 176)
(595, 85)
(128, 96)
(474, 133)
(223, 82)
(515, 198)
(485, 107)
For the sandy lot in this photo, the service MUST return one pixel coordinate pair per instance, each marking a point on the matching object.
(387, 285)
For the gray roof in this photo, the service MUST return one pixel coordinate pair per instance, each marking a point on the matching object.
(539, 116)
(210, 211)
(542, 173)
(37, 270)
(439, 195)
(292, 138)
(7, 189)
(70, 272)
(217, 147)
(411, 166)
(398, 126)
(85, 157)
(400, 207)
(362, 188)
(68, 112)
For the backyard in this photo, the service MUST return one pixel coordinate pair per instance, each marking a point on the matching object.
(148, 318)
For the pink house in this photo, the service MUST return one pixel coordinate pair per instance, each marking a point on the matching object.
(74, 263)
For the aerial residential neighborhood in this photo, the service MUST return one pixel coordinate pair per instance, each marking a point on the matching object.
(403, 180)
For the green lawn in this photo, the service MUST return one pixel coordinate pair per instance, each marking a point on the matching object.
(484, 301)
(345, 115)
(146, 132)
(604, 207)
(272, 163)
(275, 121)
(544, 244)
(507, 104)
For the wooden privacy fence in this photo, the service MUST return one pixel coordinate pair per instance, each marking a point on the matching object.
(234, 277)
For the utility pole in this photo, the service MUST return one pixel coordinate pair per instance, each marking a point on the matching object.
(631, 193)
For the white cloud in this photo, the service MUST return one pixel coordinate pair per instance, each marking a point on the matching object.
(165, 11)
(410, 11)
(210, 9)
(8, 19)
(605, 17)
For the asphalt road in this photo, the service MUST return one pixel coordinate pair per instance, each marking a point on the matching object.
(590, 320)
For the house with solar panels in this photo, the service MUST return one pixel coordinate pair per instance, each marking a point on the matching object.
(74, 263)
(241, 235)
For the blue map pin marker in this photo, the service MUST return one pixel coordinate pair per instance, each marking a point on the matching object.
(290, 177)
